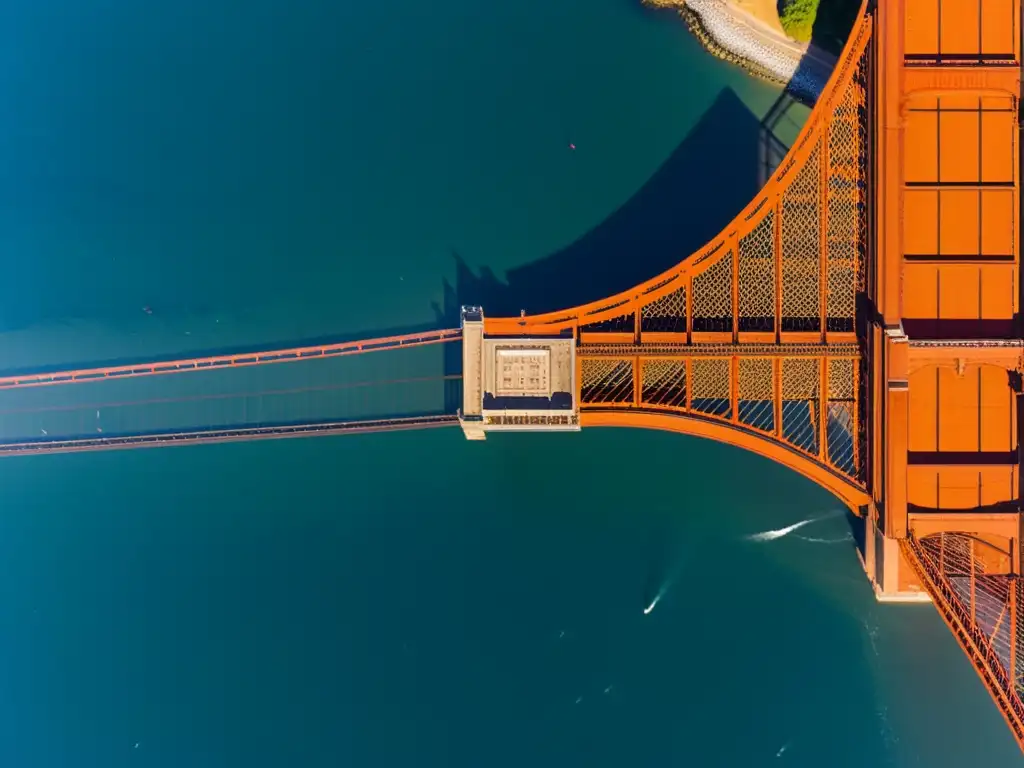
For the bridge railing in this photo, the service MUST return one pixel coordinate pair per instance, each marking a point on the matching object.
(312, 394)
(700, 294)
(225, 435)
(981, 610)
(229, 360)
(802, 398)
(756, 332)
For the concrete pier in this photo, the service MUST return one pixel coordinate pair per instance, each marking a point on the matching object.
(516, 384)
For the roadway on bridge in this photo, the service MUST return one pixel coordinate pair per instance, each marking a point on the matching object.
(395, 384)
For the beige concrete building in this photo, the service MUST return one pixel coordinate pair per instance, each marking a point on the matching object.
(510, 384)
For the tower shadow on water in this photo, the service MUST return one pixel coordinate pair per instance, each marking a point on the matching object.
(699, 188)
(710, 176)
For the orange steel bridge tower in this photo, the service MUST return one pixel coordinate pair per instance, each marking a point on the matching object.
(859, 322)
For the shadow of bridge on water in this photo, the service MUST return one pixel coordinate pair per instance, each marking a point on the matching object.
(711, 175)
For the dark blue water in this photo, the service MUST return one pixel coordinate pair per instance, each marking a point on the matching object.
(259, 173)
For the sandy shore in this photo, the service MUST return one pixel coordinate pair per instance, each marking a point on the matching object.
(748, 33)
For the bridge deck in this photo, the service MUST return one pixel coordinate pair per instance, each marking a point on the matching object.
(308, 395)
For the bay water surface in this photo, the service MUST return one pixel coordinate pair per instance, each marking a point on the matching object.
(263, 173)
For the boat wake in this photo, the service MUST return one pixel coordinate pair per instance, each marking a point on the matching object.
(662, 591)
(839, 540)
(654, 602)
(778, 533)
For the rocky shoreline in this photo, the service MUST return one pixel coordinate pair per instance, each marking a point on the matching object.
(727, 37)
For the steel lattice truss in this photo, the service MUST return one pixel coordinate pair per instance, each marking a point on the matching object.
(758, 331)
(758, 335)
(970, 582)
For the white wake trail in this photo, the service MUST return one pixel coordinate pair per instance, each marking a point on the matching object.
(841, 540)
(654, 602)
(661, 593)
(778, 533)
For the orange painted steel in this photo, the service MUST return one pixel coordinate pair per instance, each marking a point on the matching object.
(848, 492)
(945, 348)
(236, 360)
(226, 435)
(335, 387)
(946, 282)
(757, 331)
(795, 406)
(824, 156)
(858, 320)
(997, 666)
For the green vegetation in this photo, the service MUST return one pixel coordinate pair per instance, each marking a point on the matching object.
(826, 22)
(798, 17)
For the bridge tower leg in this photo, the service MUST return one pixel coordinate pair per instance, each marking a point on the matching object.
(886, 522)
(943, 288)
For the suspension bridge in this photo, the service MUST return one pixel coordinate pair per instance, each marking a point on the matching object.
(858, 322)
